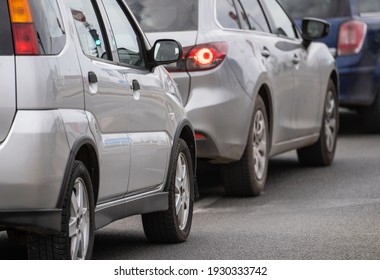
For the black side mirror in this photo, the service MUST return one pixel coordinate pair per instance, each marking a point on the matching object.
(313, 29)
(166, 52)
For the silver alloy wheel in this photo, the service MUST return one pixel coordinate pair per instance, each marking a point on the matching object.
(79, 222)
(182, 191)
(330, 121)
(259, 145)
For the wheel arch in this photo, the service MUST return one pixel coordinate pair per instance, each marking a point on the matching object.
(265, 94)
(185, 132)
(84, 150)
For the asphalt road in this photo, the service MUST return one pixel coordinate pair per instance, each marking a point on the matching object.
(304, 213)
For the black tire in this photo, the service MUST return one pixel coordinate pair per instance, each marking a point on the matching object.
(58, 246)
(322, 152)
(244, 177)
(167, 226)
(371, 116)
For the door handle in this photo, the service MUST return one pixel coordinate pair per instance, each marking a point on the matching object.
(135, 85)
(296, 60)
(92, 78)
(265, 52)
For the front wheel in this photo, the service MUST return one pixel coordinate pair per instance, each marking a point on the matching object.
(322, 152)
(76, 239)
(173, 225)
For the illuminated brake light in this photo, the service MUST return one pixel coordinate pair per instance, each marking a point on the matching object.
(351, 37)
(204, 56)
(24, 31)
(200, 57)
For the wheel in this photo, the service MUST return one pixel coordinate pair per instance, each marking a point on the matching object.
(173, 225)
(76, 239)
(322, 152)
(371, 115)
(247, 176)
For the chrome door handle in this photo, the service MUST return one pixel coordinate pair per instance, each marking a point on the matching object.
(135, 85)
(296, 60)
(265, 52)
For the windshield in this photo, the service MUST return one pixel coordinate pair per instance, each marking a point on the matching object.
(320, 9)
(165, 15)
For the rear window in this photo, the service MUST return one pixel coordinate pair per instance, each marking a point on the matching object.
(369, 7)
(165, 15)
(321, 9)
(6, 41)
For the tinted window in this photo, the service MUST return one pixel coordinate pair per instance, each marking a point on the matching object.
(49, 26)
(126, 39)
(254, 15)
(369, 6)
(320, 9)
(88, 28)
(226, 13)
(165, 15)
(284, 25)
(6, 45)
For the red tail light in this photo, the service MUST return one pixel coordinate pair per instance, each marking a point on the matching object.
(351, 37)
(201, 57)
(24, 32)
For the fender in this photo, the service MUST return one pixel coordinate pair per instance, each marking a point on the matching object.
(78, 144)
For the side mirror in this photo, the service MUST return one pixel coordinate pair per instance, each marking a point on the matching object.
(166, 52)
(313, 29)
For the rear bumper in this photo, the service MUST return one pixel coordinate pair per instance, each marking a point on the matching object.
(42, 221)
(220, 109)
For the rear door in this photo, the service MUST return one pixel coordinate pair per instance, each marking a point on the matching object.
(7, 72)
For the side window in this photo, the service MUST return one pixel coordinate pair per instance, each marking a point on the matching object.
(88, 28)
(126, 39)
(227, 15)
(284, 26)
(49, 26)
(254, 15)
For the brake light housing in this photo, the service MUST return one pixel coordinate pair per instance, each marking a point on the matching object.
(201, 57)
(352, 35)
(24, 31)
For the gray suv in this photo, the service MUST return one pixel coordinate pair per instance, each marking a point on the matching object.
(92, 128)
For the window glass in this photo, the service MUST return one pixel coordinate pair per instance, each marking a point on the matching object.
(88, 27)
(126, 39)
(320, 9)
(226, 13)
(284, 26)
(369, 6)
(254, 15)
(49, 26)
(165, 15)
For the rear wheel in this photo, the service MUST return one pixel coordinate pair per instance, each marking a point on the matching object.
(322, 152)
(76, 239)
(247, 176)
(173, 225)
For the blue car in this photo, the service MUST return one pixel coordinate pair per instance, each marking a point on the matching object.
(354, 40)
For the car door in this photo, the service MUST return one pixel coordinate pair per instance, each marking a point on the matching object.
(146, 98)
(304, 62)
(303, 103)
(106, 98)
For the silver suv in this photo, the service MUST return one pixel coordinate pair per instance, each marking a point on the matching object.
(92, 128)
(254, 85)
